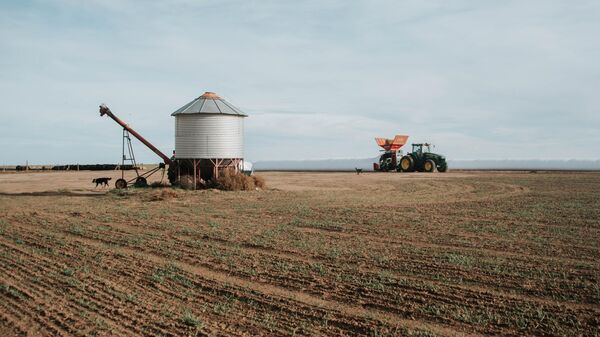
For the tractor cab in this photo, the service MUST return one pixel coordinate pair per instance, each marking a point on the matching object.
(418, 148)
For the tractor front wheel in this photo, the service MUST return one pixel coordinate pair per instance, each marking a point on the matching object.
(429, 166)
(407, 164)
(121, 183)
(443, 168)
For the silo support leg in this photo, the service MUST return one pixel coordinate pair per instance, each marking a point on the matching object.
(217, 167)
(195, 173)
(214, 168)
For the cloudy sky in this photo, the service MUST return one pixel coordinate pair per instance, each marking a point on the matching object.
(319, 79)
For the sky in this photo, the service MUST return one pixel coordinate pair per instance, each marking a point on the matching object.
(318, 79)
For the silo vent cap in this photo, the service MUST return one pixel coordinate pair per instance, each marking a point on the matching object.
(210, 95)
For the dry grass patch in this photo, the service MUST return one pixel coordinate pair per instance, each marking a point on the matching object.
(234, 181)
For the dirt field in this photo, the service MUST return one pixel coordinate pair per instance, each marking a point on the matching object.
(318, 254)
(66, 182)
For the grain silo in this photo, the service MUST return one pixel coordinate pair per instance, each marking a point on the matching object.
(209, 137)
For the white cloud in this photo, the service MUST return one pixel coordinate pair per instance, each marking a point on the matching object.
(479, 78)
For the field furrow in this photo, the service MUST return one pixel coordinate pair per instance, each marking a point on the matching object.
(332, 254)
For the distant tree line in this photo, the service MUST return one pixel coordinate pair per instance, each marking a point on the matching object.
(75, 167)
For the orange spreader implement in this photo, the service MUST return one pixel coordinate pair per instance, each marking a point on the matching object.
(392, 144)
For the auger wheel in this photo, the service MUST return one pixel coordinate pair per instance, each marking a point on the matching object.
(121, 183)
(140, 182)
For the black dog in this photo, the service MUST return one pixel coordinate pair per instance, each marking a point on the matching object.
(358, 171)
(101, 181)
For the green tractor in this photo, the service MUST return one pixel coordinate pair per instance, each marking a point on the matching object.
(421, 159)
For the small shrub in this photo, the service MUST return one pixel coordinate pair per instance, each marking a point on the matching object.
(68, 272)
(247, 183)
(186, 182)
(459, 259)
(158, 277)
(165, 194)
(190, 320)
(230, 180)
(260, 182)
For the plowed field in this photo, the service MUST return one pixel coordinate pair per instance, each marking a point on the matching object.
(317, 254)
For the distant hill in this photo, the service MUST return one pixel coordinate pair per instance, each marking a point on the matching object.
(367, 164)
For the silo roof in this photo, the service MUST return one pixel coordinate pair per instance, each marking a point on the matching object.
(209, 103)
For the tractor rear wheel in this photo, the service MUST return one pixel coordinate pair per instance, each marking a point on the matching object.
(121, 183)
(407, 164)
(429, 166)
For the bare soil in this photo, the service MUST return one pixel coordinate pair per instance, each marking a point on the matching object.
(376, 254)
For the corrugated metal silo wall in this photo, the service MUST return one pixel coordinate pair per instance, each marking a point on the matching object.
(200, 136)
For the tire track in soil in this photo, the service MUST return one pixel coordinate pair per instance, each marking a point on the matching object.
(374, 299)
(100, 299)
(43, 296)
(23, 311)
(129, 316)
(476, 289)
(463, 192)
(307, 259)
(290, 255)
(249, 247)
(422, 244)
(193, 263)
(291, 326)
(493, 294)
(168, 293)
(124, 233)
(450, 193)
(8, 327)
(538, 299)
(14, 317)
(376, 302)
(20, 272)
(279, 292)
